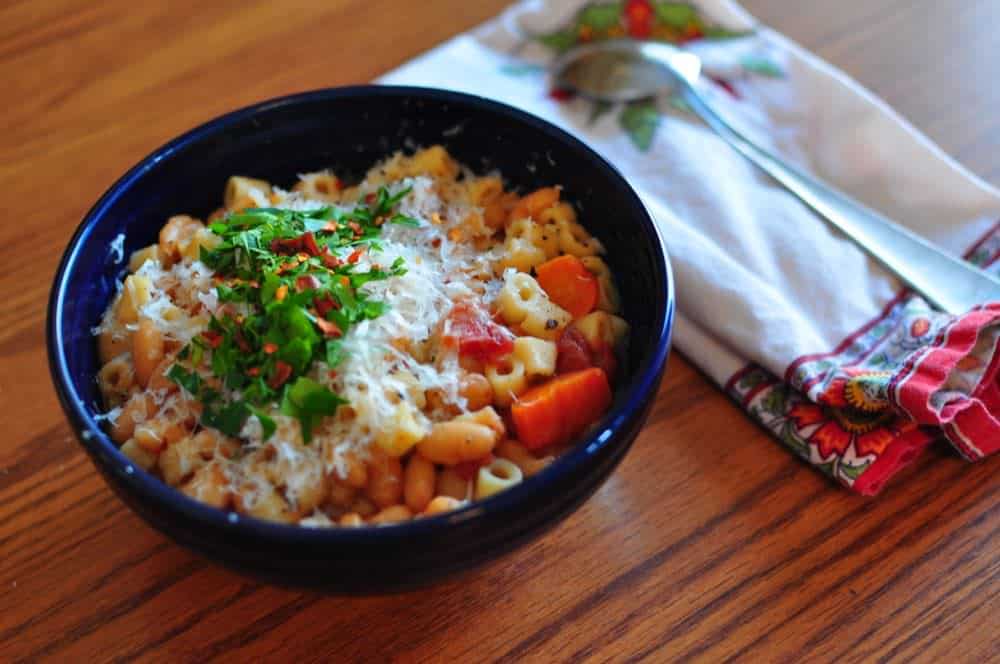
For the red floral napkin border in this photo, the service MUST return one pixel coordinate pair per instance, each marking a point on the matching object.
(863, 411)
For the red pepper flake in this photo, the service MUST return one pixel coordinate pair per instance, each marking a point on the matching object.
(476, 335)
(356, 255)
(345, 281)
(282, 372)
(331, 226)
(355, 227)
(241, 341)
(436, 242)
(325, 304)
(212, 337)
(370, 198)
(270, 348)
(305, 282)
(332, 374)
(253, 372)
(329, 260)
(329, 328)
(281, 293)
(561, 94)
(309, 244)
(289, 245)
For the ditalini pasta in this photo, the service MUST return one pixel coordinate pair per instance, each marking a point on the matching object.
(345, 356)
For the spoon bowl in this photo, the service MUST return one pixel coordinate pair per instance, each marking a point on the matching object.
(623, 70)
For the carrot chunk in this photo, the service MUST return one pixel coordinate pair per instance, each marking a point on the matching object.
(560, 409)
(569, 283)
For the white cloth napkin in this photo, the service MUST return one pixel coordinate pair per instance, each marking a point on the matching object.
(810, 336)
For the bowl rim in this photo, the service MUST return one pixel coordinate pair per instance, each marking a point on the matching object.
(150, 488)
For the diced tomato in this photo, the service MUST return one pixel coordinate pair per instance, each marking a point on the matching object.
(253, 372)
(467, 470)
(604, 357)
(270, 348)
(573, 352)
(476, 335)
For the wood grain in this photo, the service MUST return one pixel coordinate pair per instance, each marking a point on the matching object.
(710, 543)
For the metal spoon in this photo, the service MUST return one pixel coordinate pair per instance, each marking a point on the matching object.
(625, 70)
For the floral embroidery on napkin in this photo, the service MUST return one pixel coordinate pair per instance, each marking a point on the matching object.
(838, 410)
(677, 23)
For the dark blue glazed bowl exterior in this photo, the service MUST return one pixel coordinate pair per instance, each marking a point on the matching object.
(348, 130)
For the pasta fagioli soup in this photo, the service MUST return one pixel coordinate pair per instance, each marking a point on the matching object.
(335, 355)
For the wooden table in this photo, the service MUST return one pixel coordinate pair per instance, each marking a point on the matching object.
(709, 542)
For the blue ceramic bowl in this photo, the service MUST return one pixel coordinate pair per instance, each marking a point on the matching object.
(348, 130)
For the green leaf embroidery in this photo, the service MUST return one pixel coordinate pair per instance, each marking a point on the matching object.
(640, 120)
(677, 15)
(600, 16)
(775, 401)
(762, 66)
(980, 256)
(792, 439)
(828, 468)
(750, 381)
(522, 69)
(599, 110)
(852, 473)
(559, 41)
(718, 33)
(677, 102)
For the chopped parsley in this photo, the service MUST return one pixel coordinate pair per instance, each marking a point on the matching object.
(294, 283)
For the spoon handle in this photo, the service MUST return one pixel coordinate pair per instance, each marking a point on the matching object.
(948, 283)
